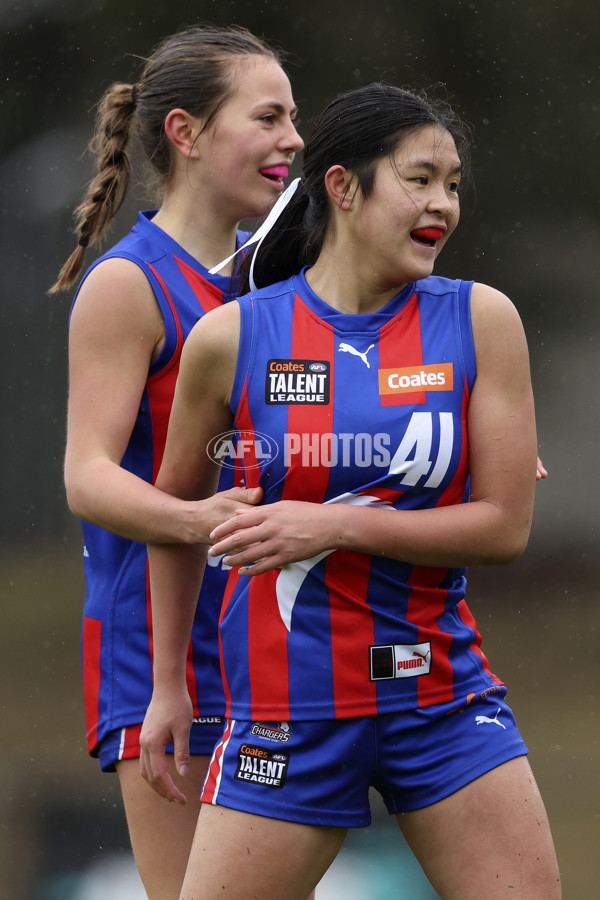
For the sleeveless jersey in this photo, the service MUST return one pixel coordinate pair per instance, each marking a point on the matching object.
(117, 627)
(363, 410)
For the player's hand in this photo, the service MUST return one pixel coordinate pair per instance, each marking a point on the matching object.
(168, 719)
(205, 515)
(269, 537)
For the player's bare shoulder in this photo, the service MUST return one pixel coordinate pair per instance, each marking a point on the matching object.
(215, 337)
(115, 280)
(500, 343)
(117, 292)
(495, 319)
(211, 349)
(116, 311)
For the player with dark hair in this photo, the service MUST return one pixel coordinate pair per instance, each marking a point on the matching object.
(401, 418)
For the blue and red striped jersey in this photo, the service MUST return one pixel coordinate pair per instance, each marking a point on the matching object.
(360, 410)
(117, 626)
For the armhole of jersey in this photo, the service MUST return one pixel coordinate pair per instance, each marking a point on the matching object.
(465, 330)
(171, 326)
(246, 350)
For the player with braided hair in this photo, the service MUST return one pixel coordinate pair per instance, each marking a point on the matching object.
(214, 112)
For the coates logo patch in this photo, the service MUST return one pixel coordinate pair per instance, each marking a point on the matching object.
(272, 731)
(260, 766)
(413, 379)
(399, 661)
(297, 381)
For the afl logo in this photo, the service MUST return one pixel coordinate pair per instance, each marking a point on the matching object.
(248, 448)
(279, 757)
(318, 367)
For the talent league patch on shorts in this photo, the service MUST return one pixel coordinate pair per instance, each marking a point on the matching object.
(297, 381)
(208, 720)
(260, 766)
(399, 661)
(272, 731)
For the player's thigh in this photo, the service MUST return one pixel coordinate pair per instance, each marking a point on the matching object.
(243, 856)
(161, 832)
(489, 839)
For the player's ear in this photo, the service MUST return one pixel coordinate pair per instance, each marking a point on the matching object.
(182, 130)
(339, 187)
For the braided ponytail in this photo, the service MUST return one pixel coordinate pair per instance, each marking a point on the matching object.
(108, 189)
(191, 70)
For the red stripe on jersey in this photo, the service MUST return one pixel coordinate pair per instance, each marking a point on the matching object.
(208, 294)
(161, 387)
(213, 776)
(316, 343)
(267, 633)
(351, 619)
(426, 603)
(92, 641)
(352, 629)
(267, 648)
(401, 345)
(232, 581)
(190, 675)
(160, 399)
(239, 475)
(467, 617)
(244, 423)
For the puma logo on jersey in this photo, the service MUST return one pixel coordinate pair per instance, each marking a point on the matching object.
(484, 720)
(389, 661)
(348, 348)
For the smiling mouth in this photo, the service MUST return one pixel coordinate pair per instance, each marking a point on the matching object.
(427, 236)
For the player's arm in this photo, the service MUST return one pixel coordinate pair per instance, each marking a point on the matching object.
(116, 331)
(200, 412)
(492, 529)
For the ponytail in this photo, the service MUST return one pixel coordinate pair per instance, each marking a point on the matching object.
(191, 70)
(108, 189)
(294, 241)
(356, 130)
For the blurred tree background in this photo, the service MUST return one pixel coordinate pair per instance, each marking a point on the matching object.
(526, 75)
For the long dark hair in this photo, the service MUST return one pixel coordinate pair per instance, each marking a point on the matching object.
(192, 70)
(356, 130)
